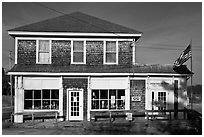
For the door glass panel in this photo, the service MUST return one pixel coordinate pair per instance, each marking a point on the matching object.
(74, 103)
(162, 101)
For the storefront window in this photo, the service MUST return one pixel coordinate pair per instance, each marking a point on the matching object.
(41, 99)
(108, 99)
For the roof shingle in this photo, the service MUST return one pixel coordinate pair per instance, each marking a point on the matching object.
(169, 69)
(76, 22)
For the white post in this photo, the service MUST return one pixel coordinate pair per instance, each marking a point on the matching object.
(88, 99)
(61, 99)
(19, 99)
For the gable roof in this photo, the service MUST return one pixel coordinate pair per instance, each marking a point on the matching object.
(49, 68)
(76, 22)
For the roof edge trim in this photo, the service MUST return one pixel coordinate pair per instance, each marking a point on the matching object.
(73, 34)
(95, 74)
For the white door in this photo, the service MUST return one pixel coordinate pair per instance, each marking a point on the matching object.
(159, 100)
(75, 104)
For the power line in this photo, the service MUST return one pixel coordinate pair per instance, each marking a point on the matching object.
(166, 48)
(160, 48)
(72, 17)
(49, 8)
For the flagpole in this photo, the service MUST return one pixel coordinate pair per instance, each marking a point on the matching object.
(191, 76)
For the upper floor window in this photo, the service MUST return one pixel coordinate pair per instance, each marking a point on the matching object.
(44, 56)
(110, 52)
(78, 52)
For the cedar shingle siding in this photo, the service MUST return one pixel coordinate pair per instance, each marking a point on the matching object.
(61, 52)
(137, 87)
(94, 52)
(26, 52)
(125, 53)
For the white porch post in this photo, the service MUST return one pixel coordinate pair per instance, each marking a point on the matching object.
(89, 99)
(127, 94)
(61, 99)
(19, 99)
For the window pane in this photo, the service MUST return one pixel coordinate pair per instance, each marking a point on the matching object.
(37, 104)
(46, 94)
(121, 94)
(95, 94)
(110, 57)
(54, 104)
(54, 94)
(37, 94)
(78, 57)
(28, 104)
(112, 97)
(103, 94)
(112, 92)
(95, 104)
(78, 46)
(120, 104)
(103, 104)
(44, 57)
(46, 104)
(112, 104)
(111, 46)
(44, 46)
(28, 94)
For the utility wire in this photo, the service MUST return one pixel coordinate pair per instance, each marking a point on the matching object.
(103, 28)
(72, 17)
(166, 48)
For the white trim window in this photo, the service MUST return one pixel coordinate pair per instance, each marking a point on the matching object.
(44, 51)
(45, 99)
(78, 53)
(111, 52)
(108, 99)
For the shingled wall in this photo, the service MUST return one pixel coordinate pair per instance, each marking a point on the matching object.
(137, 89)
(61, 52)
(26, 52)
(94, 52)
(124, 53)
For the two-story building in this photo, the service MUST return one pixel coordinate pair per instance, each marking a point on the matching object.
(80, 65)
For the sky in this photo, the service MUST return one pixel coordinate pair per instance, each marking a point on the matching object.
(168, 27)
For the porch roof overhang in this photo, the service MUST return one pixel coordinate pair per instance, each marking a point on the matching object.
(99, 70)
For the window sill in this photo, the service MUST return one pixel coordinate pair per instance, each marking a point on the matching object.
(40, 110)
(110, 63)
(107, 110)
(43, 63)
(78, 63)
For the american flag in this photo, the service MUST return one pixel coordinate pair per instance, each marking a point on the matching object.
(185, 55)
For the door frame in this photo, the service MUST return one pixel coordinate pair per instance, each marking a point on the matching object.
(156, 95)
(68, 104)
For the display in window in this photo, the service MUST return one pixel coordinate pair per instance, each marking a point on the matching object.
(108, 99)
(41, 99)
(46, 104)
(104, 104)
(95, 94)
(54, 104)
(37, 104)
(95, 104)
(121, 104)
